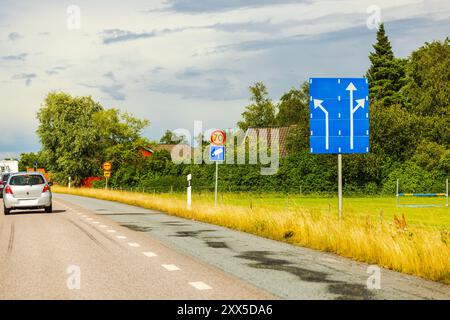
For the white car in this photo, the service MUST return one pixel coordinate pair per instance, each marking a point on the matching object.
(27, 191)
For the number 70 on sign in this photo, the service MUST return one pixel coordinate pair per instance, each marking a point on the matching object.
(218, 137)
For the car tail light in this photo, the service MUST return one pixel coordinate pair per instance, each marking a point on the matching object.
(46, 188)
(8, 190)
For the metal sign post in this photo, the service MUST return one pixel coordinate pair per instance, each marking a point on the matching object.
(215, 187)
(189, 192)
(340, 185)
(216, 154)
(339, 119)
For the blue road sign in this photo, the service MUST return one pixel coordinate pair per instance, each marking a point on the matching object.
(339, 115)
(217, 153)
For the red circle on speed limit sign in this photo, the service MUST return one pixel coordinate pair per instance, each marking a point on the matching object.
(218, 137)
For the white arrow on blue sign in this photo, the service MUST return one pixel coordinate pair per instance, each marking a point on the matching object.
(217, 153)
(339, 115)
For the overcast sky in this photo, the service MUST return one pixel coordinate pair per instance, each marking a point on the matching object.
(176, 61)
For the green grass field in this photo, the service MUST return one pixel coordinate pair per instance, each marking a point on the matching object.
(435, 216)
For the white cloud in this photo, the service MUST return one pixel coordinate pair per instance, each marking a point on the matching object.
(193, 61)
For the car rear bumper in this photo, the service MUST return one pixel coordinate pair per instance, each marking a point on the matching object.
(45, 200)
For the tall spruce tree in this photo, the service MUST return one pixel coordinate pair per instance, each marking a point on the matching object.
(386, 74)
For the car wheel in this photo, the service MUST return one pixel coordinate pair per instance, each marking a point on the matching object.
(6, 210)
(49, 209)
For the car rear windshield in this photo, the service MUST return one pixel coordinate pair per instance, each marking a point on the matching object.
(26, 180)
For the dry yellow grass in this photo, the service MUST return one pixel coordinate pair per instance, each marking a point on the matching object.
(394, 245)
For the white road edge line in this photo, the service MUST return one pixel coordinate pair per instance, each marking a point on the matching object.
(170, 267)
(200, 285)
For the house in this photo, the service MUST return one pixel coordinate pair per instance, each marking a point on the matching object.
(146, 151)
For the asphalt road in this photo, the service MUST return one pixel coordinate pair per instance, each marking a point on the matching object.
(75, 253)
(126, 252)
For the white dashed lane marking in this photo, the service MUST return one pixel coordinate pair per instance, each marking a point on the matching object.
(134, 244)
(200, 285)
(95, 222)
(111, 231)
(170, 267)
(103, 226)
(121, 237)
(149, 254)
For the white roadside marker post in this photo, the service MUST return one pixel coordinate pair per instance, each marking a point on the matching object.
(398, 183)
(446, 192)
(189, 192)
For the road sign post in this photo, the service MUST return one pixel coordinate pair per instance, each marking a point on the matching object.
(340, 185)
(107, 166)
(339, 119)
(215, 186)
(216, 154)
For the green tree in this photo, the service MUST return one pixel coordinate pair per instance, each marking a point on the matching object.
(170, 137)
(76, 131)
(27, 160)
(428, 75)
(394, 131)
(116, 128)
(428, 90)
(428, 155)
(293, 108)
(261, 113)
(386, 74)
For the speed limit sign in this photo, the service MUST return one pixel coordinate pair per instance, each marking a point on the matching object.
(218, 137)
